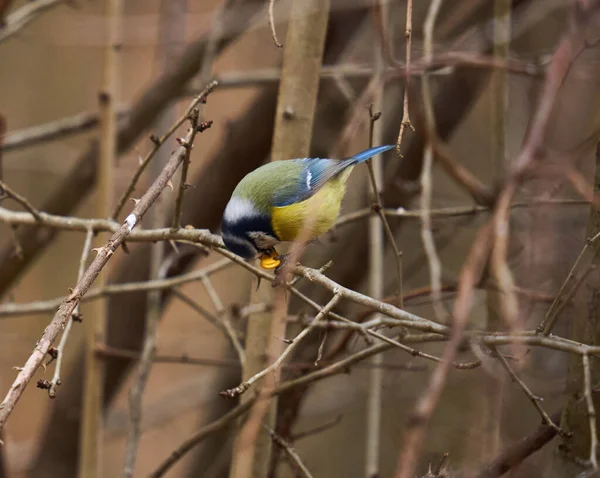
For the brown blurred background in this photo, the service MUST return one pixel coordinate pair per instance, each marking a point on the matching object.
(53, 68)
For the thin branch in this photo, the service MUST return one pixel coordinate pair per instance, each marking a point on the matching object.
(226, 419)
(20, 18)
(376, 263)
(405, 123)
(5, 190)
(246, 384)
(278, 44)
(158, 142)
(70, 223)
(222, 322)
(427, 403)
(480, 193)
(591, 411)
(433, 260)
(143, 368)
(445, 212)
(299, 465)
(533, 398)
(516, 453)
(57, 129)
(60, 350)
(67, 307)
(183, 359)
(570, 286)
(12, 309)
(219, 424)
(375, 178)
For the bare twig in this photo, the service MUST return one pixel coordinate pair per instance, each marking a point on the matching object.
(278, 44)
(376, 259)
(405, 123)
(223, 315)
(91, 462)
(223, 422)
(523, 386)
(290, 452)
(516, 453)
(376, 177)
(171, 35)
(426, 404)
(66, 309)
(70, 223)
(60, 350)
(246, 384)
(433, 260)
(591, 411)
(25, 15)
(56, 129)
(5, 190)
(183, 181)
(158, 142)
(446, 212)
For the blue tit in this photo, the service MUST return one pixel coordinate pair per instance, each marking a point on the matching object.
(275, 202)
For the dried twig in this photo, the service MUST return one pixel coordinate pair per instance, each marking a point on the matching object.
(591, 411)
(405, 123)
(5, 190)
(246, 384)
(290, 452)
(533, 398)
(278, 44)
(25, 15)
(60, 350)
(222, 313)
(376, 177)
(57, 129)
(158, 142)
(66, 309)
(433, 260)
(428, 401)
(516, 453)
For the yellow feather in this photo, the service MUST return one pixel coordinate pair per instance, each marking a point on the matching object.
(319, 212)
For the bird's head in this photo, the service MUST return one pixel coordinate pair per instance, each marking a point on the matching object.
(247, 230)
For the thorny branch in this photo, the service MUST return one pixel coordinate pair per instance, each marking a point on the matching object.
(68, 306)
(60, 350)
(158, 142)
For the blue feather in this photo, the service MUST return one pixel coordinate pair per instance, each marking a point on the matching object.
(369, 153)
(316, 172)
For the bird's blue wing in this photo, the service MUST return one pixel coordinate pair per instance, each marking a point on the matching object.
(313, 173)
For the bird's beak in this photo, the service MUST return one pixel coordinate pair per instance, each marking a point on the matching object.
(269, 261)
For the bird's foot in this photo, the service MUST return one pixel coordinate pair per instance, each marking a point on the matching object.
(281, 269)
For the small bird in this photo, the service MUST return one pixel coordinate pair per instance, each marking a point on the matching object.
(273, 203)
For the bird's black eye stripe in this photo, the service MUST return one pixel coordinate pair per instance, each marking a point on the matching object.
(241, 227)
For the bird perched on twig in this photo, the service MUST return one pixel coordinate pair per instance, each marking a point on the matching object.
(275, 202)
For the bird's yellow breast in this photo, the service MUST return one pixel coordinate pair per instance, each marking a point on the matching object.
(318, 213)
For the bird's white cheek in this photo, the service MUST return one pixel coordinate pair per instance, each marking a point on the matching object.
(239, 208)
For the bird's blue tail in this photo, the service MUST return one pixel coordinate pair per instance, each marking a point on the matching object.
(369, 153)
